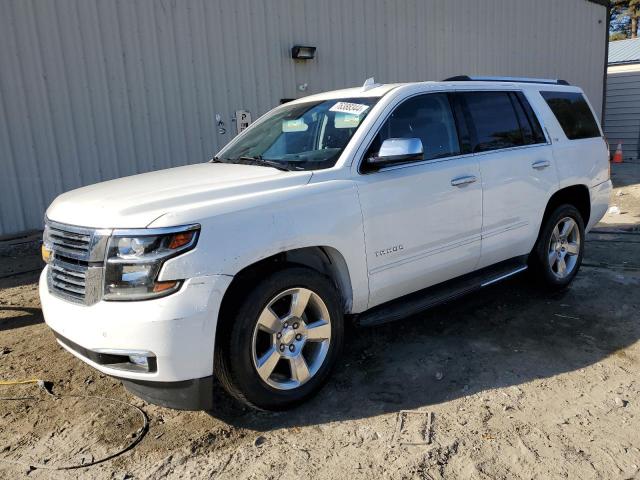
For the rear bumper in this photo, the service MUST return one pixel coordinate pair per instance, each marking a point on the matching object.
(600, 195)
(177, 330)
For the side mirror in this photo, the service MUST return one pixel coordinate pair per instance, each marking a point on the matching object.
(398, 150)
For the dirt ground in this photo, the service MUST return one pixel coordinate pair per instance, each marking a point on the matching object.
(508, 383)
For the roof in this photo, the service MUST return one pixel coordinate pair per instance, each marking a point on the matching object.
(624, 51)
(487, 83)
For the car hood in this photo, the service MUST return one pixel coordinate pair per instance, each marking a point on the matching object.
(136, 201)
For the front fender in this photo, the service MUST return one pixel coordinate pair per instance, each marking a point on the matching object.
(242, 231)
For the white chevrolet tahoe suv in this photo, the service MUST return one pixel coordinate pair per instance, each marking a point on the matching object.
(365, 204)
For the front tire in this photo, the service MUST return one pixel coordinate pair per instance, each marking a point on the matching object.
(279, 347)
(558, 252)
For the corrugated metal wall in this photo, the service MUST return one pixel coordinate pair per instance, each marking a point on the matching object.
(622, 116)
(96, 89)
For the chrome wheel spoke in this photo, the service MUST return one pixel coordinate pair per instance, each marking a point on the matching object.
(269, 321)
(555, 235)
(318, 331)
(268, 362)
(299, 368)
(562, 266)
(553, 257)
(567, 228)
(573, 248)
(299, 302)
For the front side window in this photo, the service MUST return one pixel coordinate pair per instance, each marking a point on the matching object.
(573, 114)
(304, 136)
(492, 120)
(427, 117)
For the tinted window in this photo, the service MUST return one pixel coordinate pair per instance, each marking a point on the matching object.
(573, 114)
(493, 120)
(427, 117)
(536, 129)
(301, 136)
(523, 121)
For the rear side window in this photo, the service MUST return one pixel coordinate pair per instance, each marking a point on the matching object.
(493, 120)
(531, 129)
(573, 114)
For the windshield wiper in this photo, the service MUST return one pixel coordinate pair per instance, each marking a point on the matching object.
(261, 161)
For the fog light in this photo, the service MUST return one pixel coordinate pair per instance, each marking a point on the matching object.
(139, 360)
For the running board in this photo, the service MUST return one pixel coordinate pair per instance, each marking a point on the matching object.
(430, 297)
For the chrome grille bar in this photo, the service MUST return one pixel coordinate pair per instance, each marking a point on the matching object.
(67, 271)
(70, 242)
(61, 276)
(69, 288)
(68, 280)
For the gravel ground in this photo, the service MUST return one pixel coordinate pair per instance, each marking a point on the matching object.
(510, 382)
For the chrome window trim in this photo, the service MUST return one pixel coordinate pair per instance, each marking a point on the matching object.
(418, 163)
(361, 159)
(456, 157)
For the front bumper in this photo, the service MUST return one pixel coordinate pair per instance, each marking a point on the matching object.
(179, 330)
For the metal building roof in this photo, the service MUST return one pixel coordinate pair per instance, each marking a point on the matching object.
(624, 51)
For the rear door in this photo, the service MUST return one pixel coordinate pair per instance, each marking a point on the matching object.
(516, 166)
(580, 150)
(421, 220)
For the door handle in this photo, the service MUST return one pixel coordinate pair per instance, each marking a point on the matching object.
(461, 181)
(540, 164)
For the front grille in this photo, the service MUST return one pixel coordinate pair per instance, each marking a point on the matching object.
(75, 272)
(69, 280)
(66, 242)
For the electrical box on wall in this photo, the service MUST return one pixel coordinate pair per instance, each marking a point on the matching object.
(243, 120)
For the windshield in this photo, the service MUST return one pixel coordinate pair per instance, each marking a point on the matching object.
(303, 136)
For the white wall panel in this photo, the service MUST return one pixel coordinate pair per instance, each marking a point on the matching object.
(92, 90)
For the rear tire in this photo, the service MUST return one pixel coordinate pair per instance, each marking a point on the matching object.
(278, 348)
(557, 255)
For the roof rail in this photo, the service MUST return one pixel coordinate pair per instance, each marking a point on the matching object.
(467, 78)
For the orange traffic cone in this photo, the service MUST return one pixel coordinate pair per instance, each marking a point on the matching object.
(617, 157)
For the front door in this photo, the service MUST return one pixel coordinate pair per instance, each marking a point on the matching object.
(422, 220)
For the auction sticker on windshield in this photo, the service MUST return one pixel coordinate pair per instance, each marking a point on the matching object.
(347, 107)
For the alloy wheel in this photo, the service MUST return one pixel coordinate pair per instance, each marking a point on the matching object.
(564, 247)
(291, 338)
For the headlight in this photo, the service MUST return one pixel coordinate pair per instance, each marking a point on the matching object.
(135, 257)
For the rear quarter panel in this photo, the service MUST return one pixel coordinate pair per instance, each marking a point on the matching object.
(578, 162)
